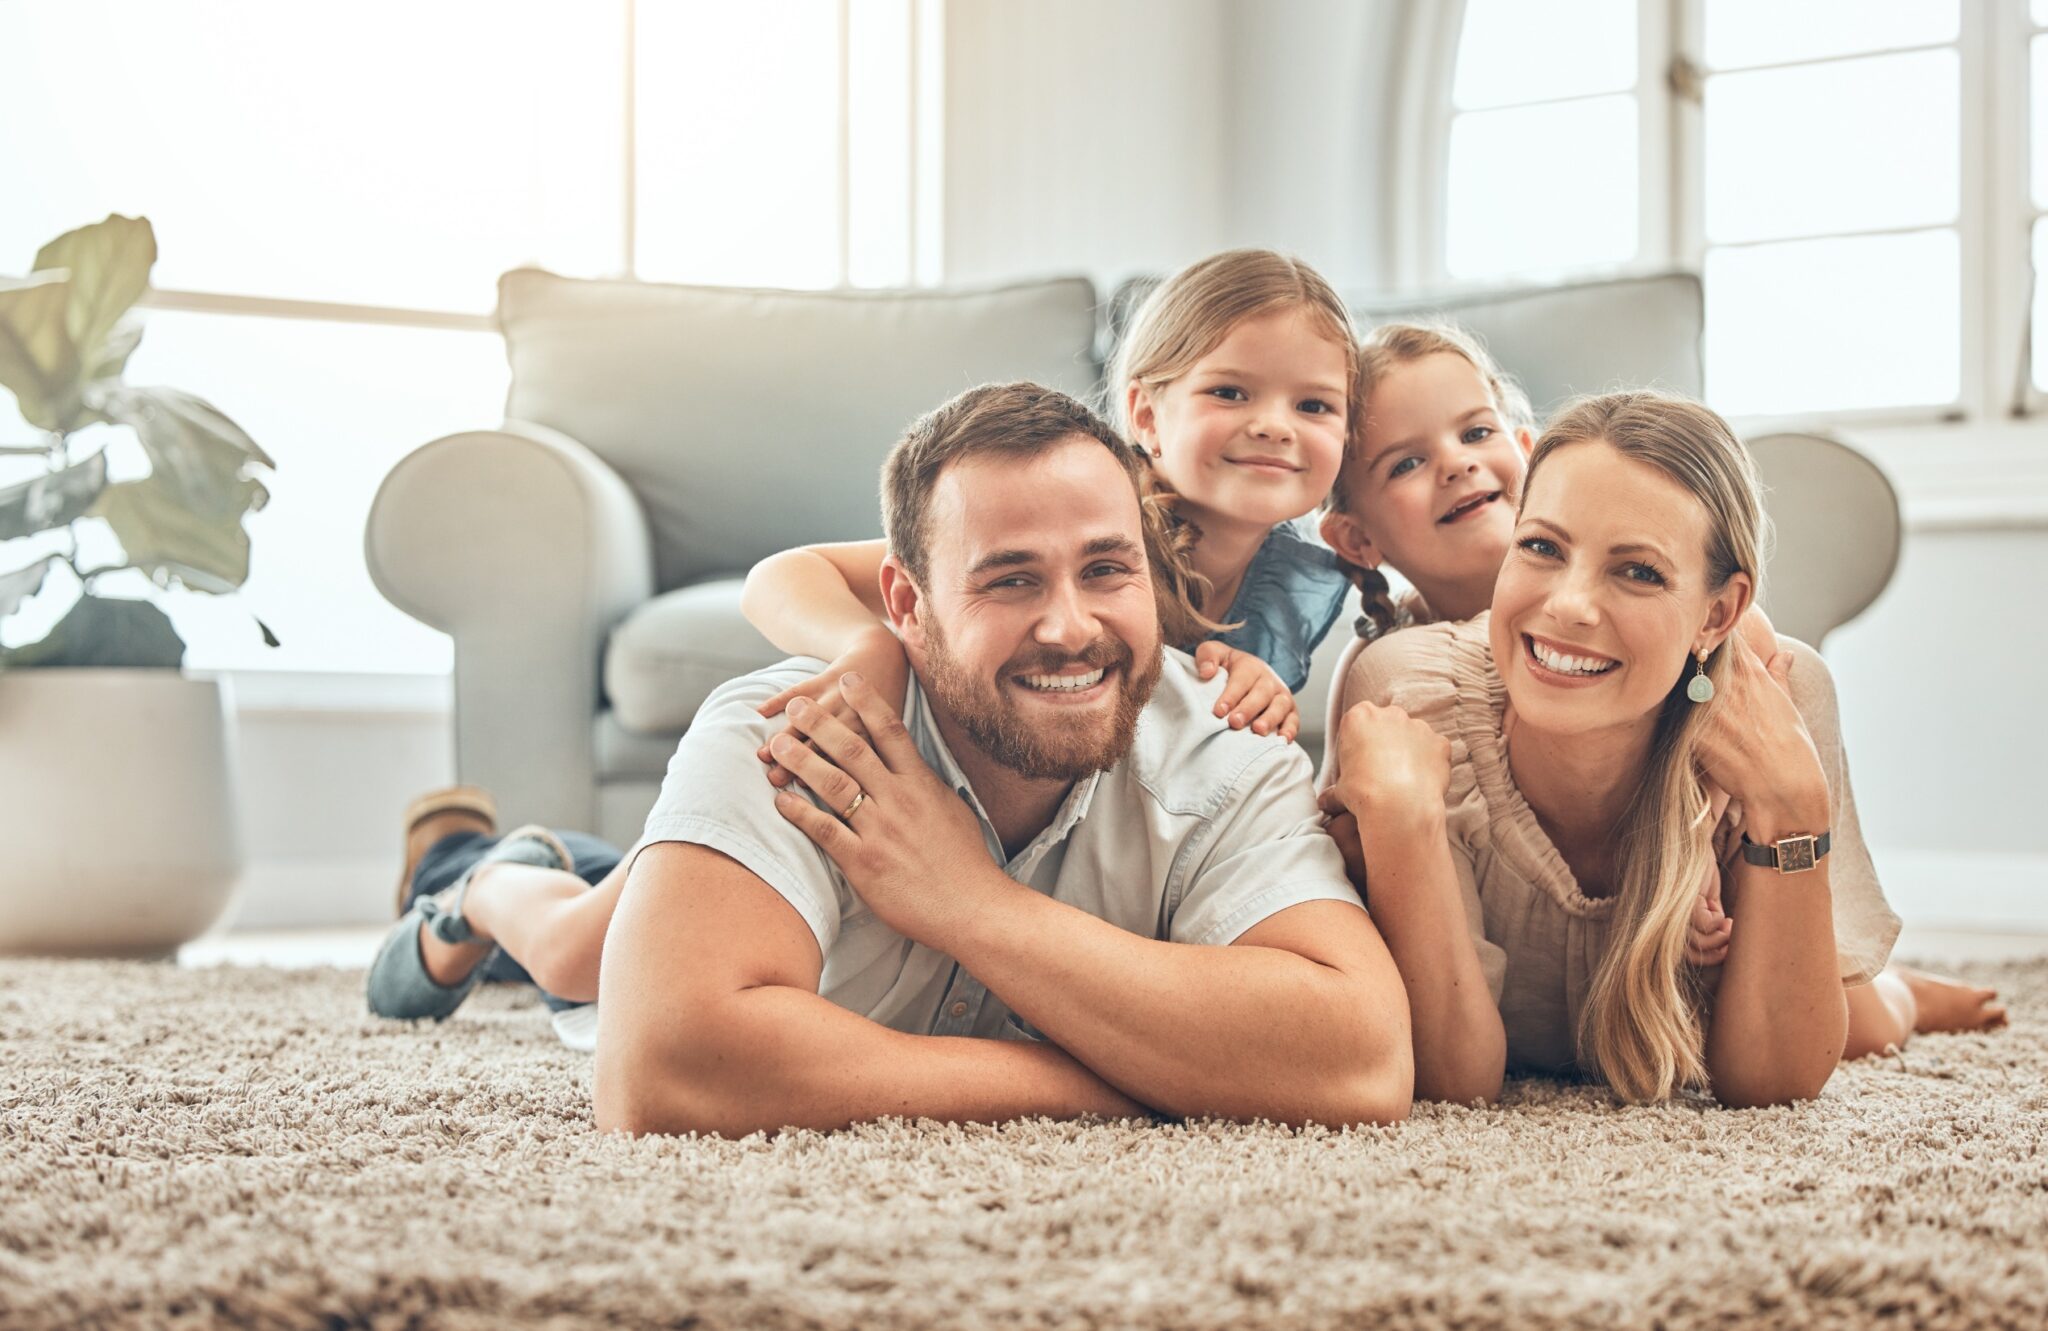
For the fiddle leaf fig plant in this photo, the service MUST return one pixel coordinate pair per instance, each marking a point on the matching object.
(66, 332)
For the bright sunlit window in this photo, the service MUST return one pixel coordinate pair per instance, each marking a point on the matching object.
(1542, 175)
(336, 191)
(1819, 190)
(1832, 192)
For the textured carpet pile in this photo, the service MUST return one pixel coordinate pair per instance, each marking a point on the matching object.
(246, 1147)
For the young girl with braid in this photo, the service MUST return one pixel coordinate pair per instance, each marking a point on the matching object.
(1432, 489)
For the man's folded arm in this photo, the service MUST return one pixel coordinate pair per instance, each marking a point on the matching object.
(1302, 1019)
(709, 1020)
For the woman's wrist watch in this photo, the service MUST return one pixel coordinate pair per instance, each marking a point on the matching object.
(1792, 854)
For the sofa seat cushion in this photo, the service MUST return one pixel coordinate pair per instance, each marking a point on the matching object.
(666, 657)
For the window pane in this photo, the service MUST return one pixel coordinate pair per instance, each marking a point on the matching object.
(1534, 50)
(878, 143)
(738, 142)
(2040, 10)
(1542, 187)
(1851, 146)
(336, 405)
(2037, 137)
(2040, 338)
(1846, 322)
(385, 153)
(1770, 32)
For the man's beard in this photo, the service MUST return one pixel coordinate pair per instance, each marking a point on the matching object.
(1054, 750)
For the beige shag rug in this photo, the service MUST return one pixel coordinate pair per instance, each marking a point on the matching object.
(247, 1147)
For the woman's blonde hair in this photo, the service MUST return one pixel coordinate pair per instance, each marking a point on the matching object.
(1385, 348)
(1184, 319)
(1642, 1030)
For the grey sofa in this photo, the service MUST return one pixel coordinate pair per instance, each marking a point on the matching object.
(586, 555)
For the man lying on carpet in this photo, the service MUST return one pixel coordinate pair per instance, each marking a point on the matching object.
(1043, 851)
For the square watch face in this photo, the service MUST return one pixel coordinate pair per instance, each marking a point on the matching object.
(1795, 854)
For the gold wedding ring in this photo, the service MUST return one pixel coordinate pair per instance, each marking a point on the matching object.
(860, 798)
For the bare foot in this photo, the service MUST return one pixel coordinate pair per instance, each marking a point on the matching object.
(1950, 1005)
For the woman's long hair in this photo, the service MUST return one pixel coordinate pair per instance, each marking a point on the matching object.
(1642, 1030)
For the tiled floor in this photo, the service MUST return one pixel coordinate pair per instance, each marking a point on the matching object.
(354, 947)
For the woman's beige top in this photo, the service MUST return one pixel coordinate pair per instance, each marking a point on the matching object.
(1539, 937)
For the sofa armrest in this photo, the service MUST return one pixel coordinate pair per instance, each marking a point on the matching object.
(526, 548)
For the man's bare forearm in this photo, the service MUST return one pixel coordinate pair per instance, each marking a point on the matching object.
(1240, 1031)
(773, 1057)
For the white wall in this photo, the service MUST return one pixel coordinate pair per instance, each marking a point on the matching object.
(1310, 84)
(322, 793)
(1133, 136)
(1082, 137)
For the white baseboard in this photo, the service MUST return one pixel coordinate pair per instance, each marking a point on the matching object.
(1979, 893)
(313, 894)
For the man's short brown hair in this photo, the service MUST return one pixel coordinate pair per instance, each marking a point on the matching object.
(1015, 420)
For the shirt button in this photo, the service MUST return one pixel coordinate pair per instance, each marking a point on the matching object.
(958, 1009)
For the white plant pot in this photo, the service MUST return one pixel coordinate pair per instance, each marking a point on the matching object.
(118, 803)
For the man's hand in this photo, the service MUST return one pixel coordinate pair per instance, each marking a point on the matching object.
(908, 845)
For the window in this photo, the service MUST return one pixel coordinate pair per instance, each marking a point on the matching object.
(1544, 138)
(1809, 160)
(1831, 191)
(335, 193)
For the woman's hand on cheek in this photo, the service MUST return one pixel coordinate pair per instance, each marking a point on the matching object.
(878, 657)
(1254, 696)
(1392, 768)
(1754, 745)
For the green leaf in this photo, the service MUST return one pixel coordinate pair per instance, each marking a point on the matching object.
(173, 542)
(269, 638)
(189, 442)
(109, 264)
(100, 631)
(112, 356)
(21, 584)
(38, 359)
(54, 499)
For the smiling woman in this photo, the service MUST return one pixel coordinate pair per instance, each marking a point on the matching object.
(1576, 803)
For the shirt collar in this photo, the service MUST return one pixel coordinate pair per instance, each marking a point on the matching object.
(923, 725)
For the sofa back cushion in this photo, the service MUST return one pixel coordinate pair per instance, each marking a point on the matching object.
(1557, 341)
(1586, 337)
(751, 421)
